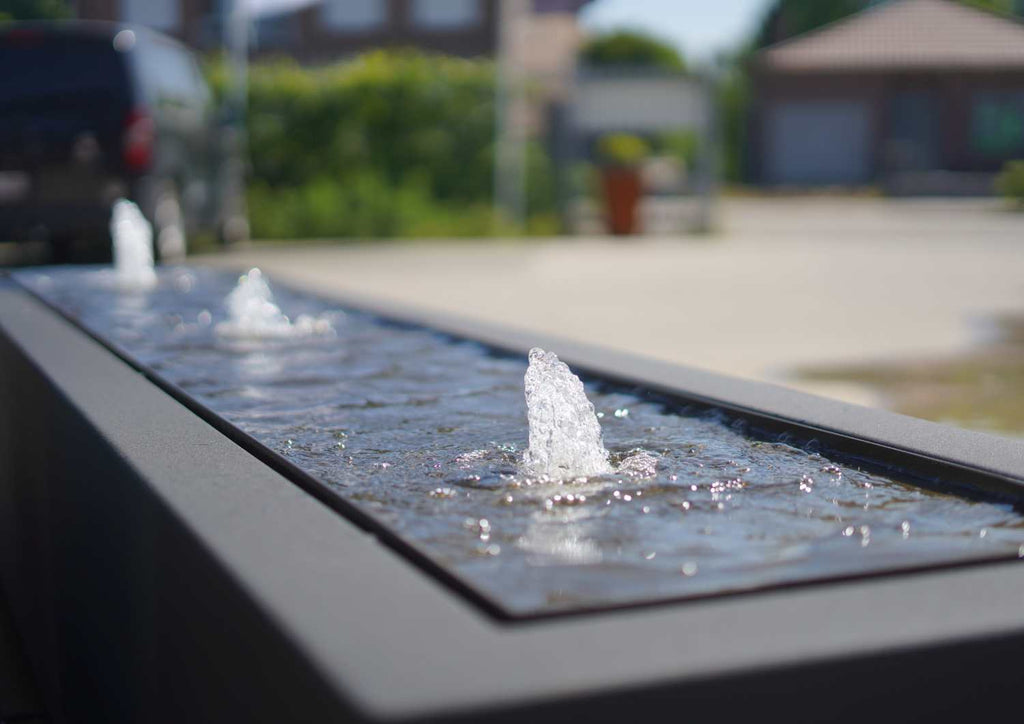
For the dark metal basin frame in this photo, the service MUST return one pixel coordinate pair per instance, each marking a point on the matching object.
(160, 566)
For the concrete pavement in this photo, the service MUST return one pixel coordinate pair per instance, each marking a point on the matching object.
(785, 283)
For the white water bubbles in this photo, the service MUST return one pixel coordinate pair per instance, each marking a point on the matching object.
(565, 434)
(132, 238)
(253, 314)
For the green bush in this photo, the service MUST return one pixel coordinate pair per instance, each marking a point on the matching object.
(34, 10)
(364, 206)
(1010, 183)
(626, 48)
(682, 145)
(390, 143)
(733, 99)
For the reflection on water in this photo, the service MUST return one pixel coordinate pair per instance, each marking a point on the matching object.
(427, 434)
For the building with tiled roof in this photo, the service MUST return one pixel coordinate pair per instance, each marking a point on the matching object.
(921, 95)
(319, 31)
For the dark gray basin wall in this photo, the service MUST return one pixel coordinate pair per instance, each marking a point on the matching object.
(127, 615)
(159, 573)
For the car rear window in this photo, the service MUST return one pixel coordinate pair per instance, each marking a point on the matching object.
(39, 67)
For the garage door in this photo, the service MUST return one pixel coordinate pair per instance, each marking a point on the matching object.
(817, 142)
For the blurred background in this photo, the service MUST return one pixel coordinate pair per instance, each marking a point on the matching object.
(825, 194)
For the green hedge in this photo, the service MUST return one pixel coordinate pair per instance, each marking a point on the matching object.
(1010, 183)
(631, 49)
(390, 143)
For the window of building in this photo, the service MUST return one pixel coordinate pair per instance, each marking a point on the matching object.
(445, 14)
(354, 15)
(997, 122)
(165, 15)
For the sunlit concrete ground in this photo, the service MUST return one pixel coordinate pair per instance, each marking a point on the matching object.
(786, 284)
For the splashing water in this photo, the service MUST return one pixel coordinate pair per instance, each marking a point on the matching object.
(132, 247)
(565, 436)
(253, 313)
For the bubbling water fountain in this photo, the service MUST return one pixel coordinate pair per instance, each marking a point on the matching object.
(132, 247)
(565, 436)
(254, 315)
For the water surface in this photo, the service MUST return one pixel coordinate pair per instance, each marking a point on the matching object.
(426, 434)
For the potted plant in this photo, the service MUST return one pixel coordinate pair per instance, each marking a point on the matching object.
(621, 155)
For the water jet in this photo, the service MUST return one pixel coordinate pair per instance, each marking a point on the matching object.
(132, 237)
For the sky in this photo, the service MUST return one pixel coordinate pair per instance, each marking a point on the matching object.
(699, 28)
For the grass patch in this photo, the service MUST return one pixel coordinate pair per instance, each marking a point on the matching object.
(981, 390)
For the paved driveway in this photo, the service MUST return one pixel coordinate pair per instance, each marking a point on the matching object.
(786, 283)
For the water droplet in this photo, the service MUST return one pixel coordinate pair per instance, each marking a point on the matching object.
(983, 532)
(905, 528)
(645, 510)
(686, 505)
(650, 556)
(627, 498)
(689, 569)
(623, 412)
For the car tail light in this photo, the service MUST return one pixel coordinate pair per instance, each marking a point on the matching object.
(139, 137)
(23, 36)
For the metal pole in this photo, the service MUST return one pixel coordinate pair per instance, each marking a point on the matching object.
(510, 112)
(709, 157)
(236, 41)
